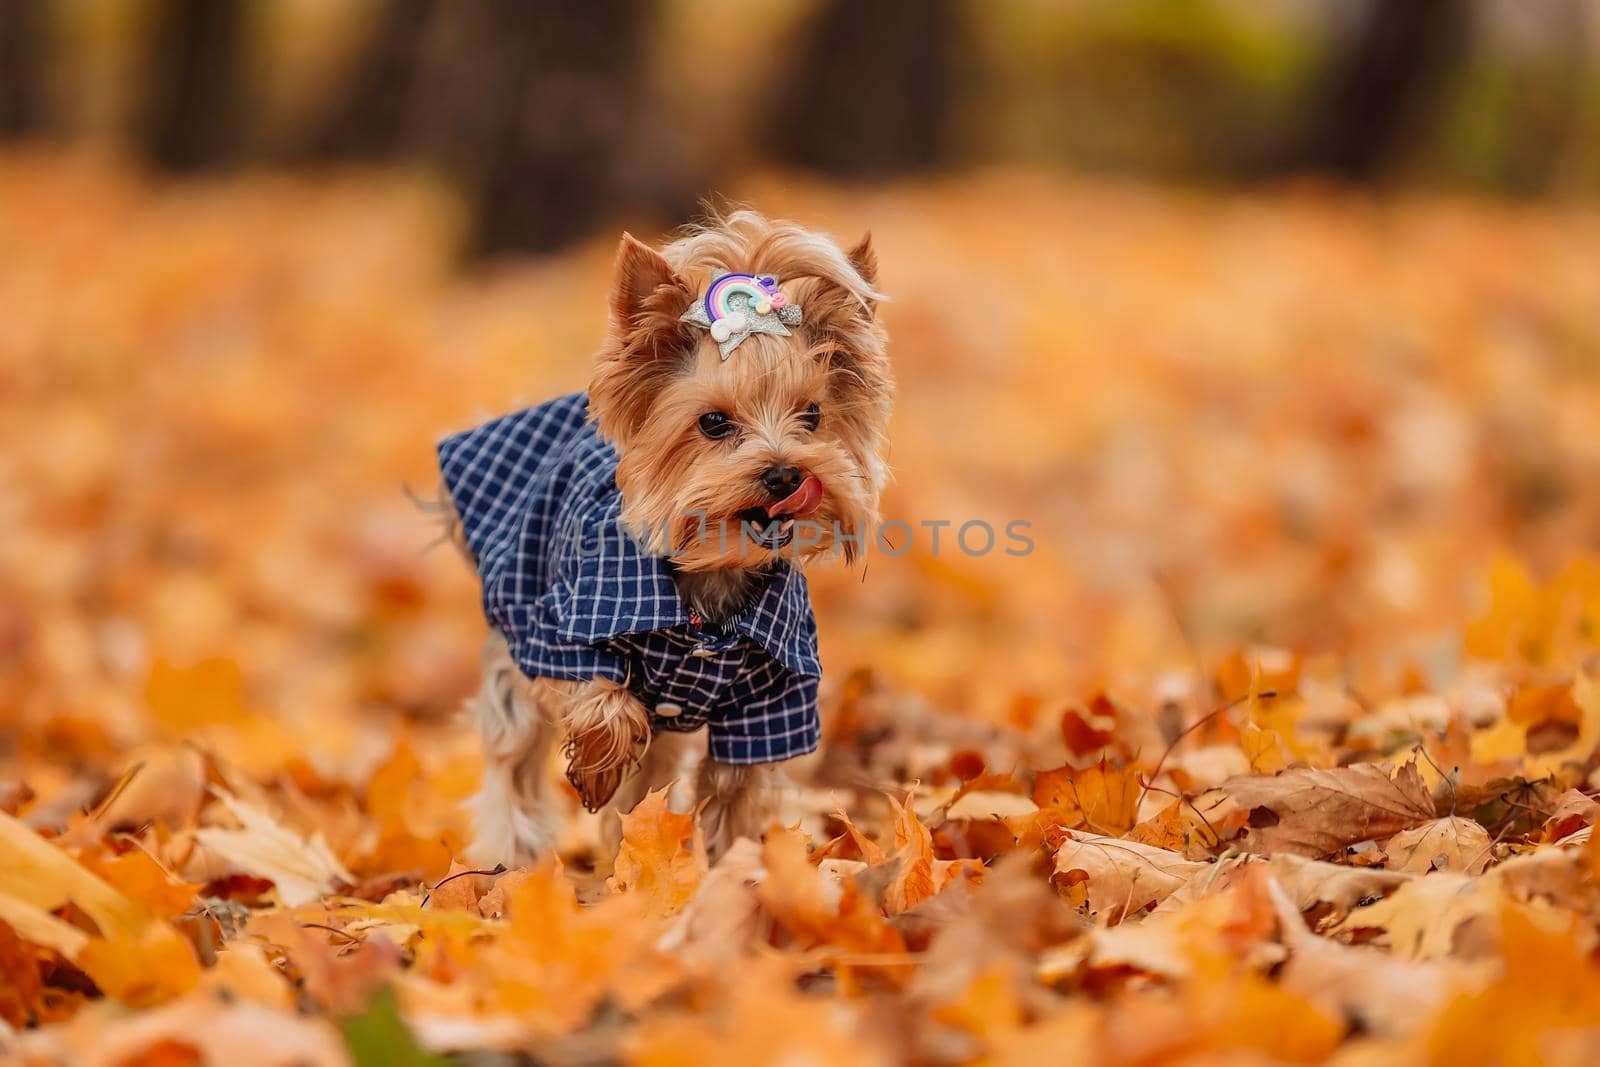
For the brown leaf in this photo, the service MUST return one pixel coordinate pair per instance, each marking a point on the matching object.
(1121, 877)
(22, 989)
(1317, 812)
(721, 920)
(1327, 892)
(1387, 996)
(1449, 844)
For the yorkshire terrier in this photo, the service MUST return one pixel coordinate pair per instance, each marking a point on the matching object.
(641, 545)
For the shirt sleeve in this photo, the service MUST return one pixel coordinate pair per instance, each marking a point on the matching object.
(541, 652)
(770, 716)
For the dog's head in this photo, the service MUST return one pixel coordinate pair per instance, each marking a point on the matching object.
(774, 451)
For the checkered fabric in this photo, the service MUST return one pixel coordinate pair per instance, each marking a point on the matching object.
(578, 598)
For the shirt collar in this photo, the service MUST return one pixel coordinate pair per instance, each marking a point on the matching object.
(617, 588)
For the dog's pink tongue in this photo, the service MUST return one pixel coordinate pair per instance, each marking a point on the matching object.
(802, 502)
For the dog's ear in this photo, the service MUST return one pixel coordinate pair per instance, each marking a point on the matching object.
(647, 340)
(865, 260)
(640, 270)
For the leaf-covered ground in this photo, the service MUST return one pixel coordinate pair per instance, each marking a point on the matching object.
(1280, 746)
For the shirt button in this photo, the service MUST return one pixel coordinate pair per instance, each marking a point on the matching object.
(702, 652)
(669, 710)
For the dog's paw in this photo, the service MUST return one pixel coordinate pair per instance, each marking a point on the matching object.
(599, 758)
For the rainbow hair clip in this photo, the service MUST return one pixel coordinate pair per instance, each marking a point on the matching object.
(738, 305)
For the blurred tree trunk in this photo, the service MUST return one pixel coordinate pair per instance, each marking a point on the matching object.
(22, 63)
(539, 112)
(868, 92)
(372, 117)
(194, 111)
(1379, 85)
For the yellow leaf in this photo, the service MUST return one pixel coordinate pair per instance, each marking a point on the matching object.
(38, 926)
(38, 873)
(1262, 748)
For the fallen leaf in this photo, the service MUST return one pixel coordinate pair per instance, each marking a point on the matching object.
(39, 927)
(1102, 799)
(1121, 877)
(1448, 844)
(1574, 811)
(814, 910)
(457, 891)
(22, 989)
(1386, 996)
(1327, 892)
(662, 856)
(722, 919)
(1317, 812)
(243, 1033)
(142, 879)
(37, 873)
(378, 1038)
(302, 869)
(149, 968)
(1547, 986)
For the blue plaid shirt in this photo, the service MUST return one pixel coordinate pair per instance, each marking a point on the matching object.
(577, 597)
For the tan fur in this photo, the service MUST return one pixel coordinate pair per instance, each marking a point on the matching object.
(653, 379)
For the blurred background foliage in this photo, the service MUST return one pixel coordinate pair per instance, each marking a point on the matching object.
(556, 120)
(1278, 320)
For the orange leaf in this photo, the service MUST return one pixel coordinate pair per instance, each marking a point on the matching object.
(814, 910)
(1103, 798)
(145, 881)
(662, 855)
(146, 969)
(456, 891)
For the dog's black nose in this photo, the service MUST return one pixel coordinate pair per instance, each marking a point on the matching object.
(782, 481)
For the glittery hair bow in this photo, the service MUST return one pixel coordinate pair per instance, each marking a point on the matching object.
(738, 305)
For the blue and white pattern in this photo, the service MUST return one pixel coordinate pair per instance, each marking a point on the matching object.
(578, 598)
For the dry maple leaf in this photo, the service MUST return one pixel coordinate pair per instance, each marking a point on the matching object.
(756, 1017)
(1448, 844)
(1424, 918)
(1329, 891)
(302, 869)
(1317, 812)
(1121, 877)
(1103, 799)
(458, 890)
(139, 876)
(1574, 812)
(815, 910)
(919, 876)
(662, 856)
(1385, 995)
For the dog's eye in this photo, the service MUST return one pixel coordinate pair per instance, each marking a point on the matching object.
(715, 424)
(812, 416)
